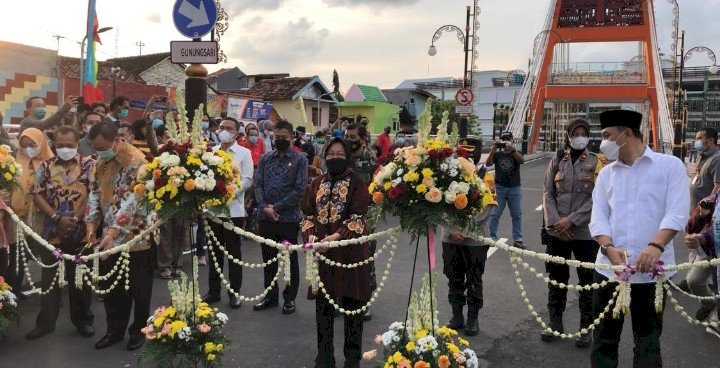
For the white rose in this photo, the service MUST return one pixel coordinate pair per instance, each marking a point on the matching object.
(450, 197)
(210, 183)
(150, 185)
(399, 172)
(463, 188)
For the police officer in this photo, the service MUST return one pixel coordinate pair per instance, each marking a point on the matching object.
(567, 203)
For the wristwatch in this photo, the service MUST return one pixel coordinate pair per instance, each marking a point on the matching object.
(604, 248)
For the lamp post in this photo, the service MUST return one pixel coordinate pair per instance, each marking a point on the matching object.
(495, 106)
(319, 115)
(464, 38)
(82, 56)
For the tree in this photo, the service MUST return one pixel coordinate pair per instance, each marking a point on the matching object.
(336, 86)
(441, 106)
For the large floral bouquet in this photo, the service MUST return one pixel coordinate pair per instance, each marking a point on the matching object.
(8, 305)
(188, 175)
(415, 346)
(431, 184)
(186, 334)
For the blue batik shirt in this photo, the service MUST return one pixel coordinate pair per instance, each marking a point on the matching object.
(281, 181)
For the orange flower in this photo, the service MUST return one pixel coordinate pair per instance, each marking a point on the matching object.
(230, 188)
(139, 190)
(189, 185)
(461, 201)
(377, 197)
(156, 174)
(421, 364)
(444, 361)
(434, 195)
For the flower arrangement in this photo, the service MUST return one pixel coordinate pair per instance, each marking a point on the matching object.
(414, 346)
(10, 170)
(186, 334)
(433, 183)
(188, 175)
(8, 305)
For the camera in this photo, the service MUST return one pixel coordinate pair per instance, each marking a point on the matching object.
(500, 145)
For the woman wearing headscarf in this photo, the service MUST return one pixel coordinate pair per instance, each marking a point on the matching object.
(336, 207)
(34, 149)
(254, 143)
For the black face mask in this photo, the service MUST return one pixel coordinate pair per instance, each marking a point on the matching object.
(337, 165)
(354, 145)
(282, 145)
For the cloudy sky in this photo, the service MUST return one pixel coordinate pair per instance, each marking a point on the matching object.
(378, 42)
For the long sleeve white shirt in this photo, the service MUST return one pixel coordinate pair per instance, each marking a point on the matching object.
(243, 158)
(632, 203)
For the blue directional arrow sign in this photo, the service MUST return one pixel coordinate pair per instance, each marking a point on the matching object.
(195, 18)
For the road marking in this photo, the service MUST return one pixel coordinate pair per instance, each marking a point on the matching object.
(539, 208)
(494, 249)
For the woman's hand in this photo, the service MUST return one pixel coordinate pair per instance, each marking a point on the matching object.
(331, 238)
(693, 241)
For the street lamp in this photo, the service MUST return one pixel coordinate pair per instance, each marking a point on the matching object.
(318, 107)
(82, 55)
(432, 51)
(535, 42)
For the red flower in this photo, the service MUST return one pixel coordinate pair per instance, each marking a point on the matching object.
(393, 193)
(161, 182)
(463, 153)
(475, 196)
(208, 148)
(220, 187)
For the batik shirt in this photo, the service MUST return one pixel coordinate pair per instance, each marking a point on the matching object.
(66, 188)
(112, 199)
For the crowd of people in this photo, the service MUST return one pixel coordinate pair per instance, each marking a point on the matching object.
(81, 163)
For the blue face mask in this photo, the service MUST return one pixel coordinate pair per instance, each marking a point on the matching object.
(123, 114)
(253, 139)
(40, 112)
(157, 123)
(400, 140)
(339, 133)
(205, 125)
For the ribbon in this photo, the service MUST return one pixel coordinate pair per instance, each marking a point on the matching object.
(431, 247)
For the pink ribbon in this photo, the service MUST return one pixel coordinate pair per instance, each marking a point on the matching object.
(431, 247)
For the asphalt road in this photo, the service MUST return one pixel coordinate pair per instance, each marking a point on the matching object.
(508, 336)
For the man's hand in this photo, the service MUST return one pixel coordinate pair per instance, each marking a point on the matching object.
(615, 255)
(91, 236)
(67, 224)
(693, 241)
(270, 213)
(71, 101)
(647, 259)
(493, 148)
(509, 147)
(457, 236)
(331, 238)
(563, 225)
(566, 236)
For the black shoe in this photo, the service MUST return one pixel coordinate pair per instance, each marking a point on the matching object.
(351, 364)
(520, 245)
(583, 341)
(556, 324)
(368, 314)
(135, 341)
(86, 331)
(265, 304)
(108, 340)
(457, 321)
(21, 296)
(703, 313)
(471, 327)
(289, 307)
(38, 332)
(211, 298)
(235, 302)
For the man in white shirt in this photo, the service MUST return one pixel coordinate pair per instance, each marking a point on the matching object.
(228, 133)
(640, 203)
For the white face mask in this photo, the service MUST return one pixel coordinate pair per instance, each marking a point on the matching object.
(611, 149)
(226, 137)
(32, 152)
(579, 143)
(67, 154)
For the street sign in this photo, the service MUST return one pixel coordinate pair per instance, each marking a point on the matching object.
(195, 18)
(194, 52)
(464, 97)
(460, 109)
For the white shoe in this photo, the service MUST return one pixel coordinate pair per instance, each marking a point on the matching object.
(713, 331)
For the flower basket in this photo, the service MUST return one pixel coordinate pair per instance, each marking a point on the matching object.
(188, 176)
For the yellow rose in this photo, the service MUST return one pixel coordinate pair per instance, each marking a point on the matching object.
(434, 195)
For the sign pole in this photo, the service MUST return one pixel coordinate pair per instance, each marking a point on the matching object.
(195, 89)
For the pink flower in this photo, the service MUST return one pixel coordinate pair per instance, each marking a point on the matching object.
(166, 329)
(203, 328)
(159, 311)
(148, 330)
(460, 357)
(378, 339)
(369, 355)
(404, 364)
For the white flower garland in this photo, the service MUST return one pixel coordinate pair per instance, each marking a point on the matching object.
(244, 298)
(689, 295)
(392, 239)
(593, 286)
(211, 240)
(679, 308)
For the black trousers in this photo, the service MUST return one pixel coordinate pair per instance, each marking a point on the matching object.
(584, 251)
(15, 279)
(464, 267)
(119, 302)
(279, 231)
(231, 241)
(646, 324)
(80, 299)
(324, 314)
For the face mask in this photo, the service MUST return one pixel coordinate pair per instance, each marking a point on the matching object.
(320, 140)
(205, 125)
(699, 145)
(241, 130)
(400, 140)
(107, 155)
(67, 154)
(579, 143)
(282, 145)
(355, 145)
(32, 152)
(157, 123)
(226, 137)
(336, 165)
(253, 139)
(611, 149)
(40, 112)
(123, 114)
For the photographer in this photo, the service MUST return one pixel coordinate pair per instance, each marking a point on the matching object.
(507, 161)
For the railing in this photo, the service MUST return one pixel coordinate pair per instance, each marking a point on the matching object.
(596, 73)
(691, 72)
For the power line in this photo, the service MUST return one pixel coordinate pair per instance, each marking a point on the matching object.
(140, 45)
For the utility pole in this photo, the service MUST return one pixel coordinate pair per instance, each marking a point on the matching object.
(678, 148)
(140, 45)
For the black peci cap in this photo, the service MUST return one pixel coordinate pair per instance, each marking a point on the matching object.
(613, 118)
